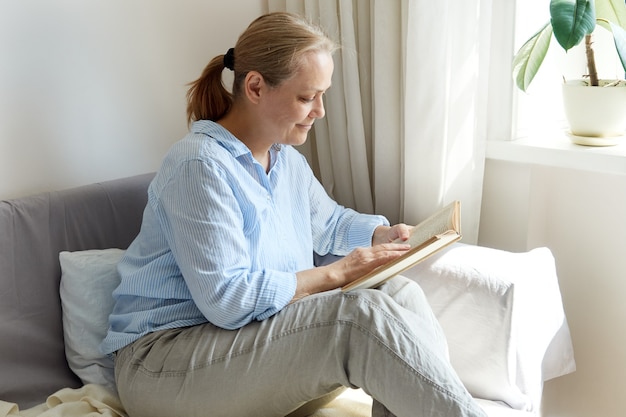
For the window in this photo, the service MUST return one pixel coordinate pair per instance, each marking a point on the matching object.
(538, 126)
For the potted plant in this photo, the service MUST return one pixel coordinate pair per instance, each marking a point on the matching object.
(589, 102)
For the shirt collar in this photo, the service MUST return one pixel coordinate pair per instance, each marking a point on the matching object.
(225, 138)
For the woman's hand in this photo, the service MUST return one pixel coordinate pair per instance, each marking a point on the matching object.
(362, 261)
(387, 234)
(354, 265)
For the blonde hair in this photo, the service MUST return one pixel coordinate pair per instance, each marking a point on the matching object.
(273, 45)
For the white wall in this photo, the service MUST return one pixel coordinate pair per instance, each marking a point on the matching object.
(581, 216)
(95, 90)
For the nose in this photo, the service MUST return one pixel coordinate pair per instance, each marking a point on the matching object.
(318, 110)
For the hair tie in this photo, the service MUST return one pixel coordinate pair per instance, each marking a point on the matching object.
(229, 59)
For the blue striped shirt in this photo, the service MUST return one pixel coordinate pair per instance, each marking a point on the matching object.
(221, 239)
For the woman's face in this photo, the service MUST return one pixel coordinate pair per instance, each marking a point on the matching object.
(291, 108)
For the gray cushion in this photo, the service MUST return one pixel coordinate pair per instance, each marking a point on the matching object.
(33, 230)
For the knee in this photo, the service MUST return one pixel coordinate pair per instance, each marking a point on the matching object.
(405, 292)
(398, 300)
(402, 302)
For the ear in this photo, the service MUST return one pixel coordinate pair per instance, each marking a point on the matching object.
(254, 84)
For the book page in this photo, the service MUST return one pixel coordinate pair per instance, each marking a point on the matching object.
(436, 224)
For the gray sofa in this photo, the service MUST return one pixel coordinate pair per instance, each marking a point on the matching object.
(33, 231)
(501, 311)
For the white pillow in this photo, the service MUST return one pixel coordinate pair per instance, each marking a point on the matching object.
(500, 312)
(88, 279)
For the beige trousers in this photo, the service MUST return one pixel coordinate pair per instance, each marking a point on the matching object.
(386, 341)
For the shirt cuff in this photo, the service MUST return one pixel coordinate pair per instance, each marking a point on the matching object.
(362, 230)
(284, 289)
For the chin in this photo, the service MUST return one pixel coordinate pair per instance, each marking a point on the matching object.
(302, 141)
(297, 138)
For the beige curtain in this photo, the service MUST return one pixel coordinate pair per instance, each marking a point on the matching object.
(407, 121)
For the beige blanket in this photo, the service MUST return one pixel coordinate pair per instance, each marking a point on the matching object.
(88, 401)
(95, 401)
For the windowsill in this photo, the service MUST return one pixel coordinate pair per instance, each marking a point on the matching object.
(555, 149)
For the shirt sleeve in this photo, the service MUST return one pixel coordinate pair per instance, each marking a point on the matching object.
(203, 224)
(336, 229)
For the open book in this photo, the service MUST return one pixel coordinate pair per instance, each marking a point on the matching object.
(428, 237)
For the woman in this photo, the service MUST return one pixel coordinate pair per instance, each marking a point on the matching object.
(220, 311)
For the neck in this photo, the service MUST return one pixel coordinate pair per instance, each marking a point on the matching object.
(242, 129)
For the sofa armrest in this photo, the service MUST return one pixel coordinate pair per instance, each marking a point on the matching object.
(503, 318)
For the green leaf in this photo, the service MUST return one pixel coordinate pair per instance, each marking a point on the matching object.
(619, 36)
(572, 20)
(530, 56)
(612, 11)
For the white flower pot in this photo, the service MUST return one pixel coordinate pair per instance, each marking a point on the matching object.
(596, 115)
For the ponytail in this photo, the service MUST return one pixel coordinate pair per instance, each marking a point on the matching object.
(207, 97)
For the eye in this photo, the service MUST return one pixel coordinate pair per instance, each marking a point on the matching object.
(307, 99)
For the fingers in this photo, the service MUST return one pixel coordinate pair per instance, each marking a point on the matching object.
(365, 259)
(393, 247)
(400, 231)
(382, 252)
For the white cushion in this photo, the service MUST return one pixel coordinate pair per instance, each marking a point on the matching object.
(88, 279)
(500, 311)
